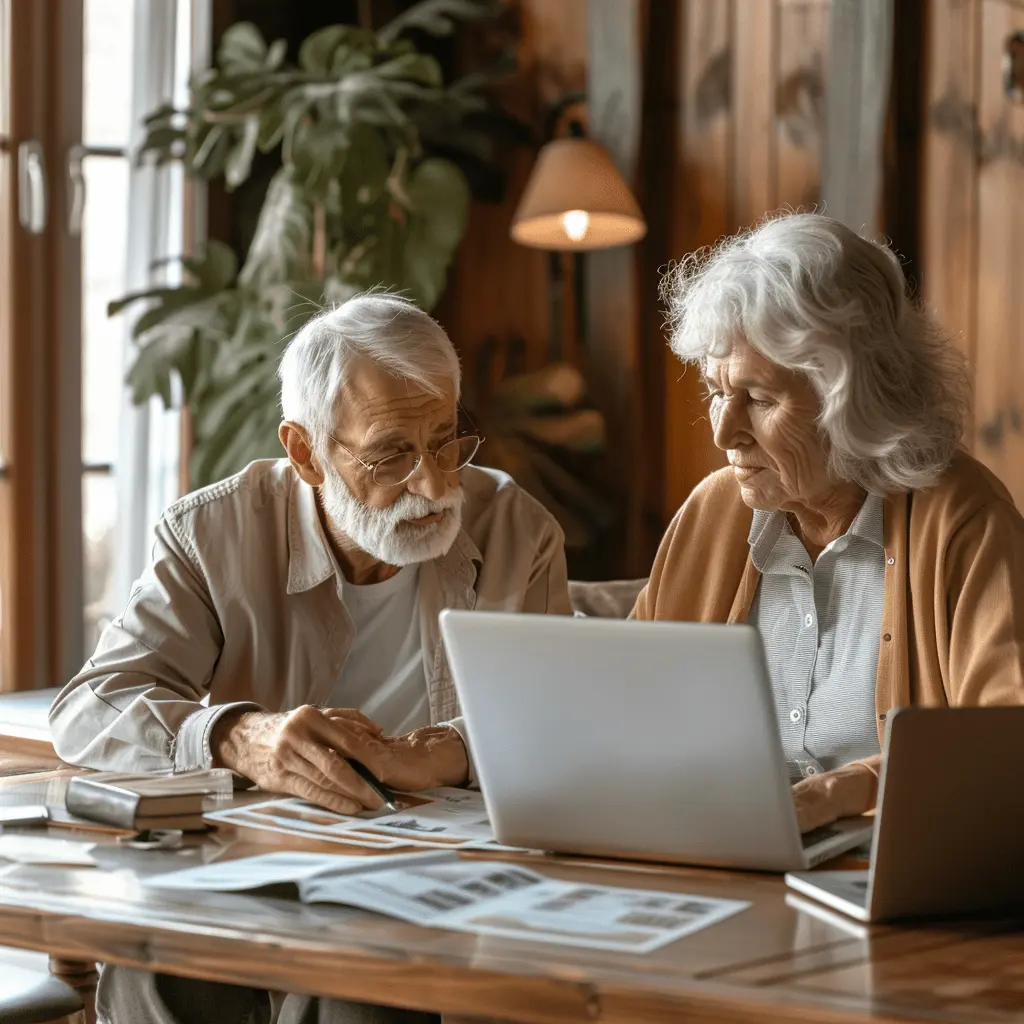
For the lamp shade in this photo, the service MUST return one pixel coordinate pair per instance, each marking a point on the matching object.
(576, 199)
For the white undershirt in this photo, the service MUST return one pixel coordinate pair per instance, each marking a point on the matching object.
(383, 675)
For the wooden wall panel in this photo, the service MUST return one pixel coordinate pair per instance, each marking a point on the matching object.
(615, 39)
(949, 195)
(800, 101)
(749, 142)
(497, 287)
(755, 166)
(999, 352)
(704, 212)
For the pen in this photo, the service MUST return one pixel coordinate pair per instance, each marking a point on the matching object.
(387, 795)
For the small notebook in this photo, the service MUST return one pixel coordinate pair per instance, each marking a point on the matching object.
(147, 800)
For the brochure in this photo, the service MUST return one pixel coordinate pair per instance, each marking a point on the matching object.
(486, 897)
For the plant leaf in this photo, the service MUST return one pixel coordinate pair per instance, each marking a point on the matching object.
(413, 67)
(242, 48)
(437, 17)
(239, 161)
(327, 51)
(364, 175)
(163, 293)
(216, 269)
(439, 198)
(281, 245)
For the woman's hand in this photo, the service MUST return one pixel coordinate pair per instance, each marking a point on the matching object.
(842, 793)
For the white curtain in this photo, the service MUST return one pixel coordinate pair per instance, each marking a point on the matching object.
(171, 39)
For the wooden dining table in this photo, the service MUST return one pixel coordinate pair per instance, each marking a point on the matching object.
(779, 960)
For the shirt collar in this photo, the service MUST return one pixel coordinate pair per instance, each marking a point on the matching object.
(310, 561)
(767, 527)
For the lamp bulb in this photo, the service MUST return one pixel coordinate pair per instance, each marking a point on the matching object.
(576, 223)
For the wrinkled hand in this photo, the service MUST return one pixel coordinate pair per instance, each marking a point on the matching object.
(842, 793)
(423, 759)
(302, 753)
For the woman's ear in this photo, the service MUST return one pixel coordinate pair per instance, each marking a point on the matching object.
(300, 453)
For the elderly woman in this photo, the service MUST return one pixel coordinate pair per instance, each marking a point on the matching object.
(882, 565)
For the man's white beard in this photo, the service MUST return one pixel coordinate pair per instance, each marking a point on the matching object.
(385, 533)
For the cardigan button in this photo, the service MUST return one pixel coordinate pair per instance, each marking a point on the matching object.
(887, 637)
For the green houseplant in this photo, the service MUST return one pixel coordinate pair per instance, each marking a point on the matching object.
(360, 200)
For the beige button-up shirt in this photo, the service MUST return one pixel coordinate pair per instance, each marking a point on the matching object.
(242, 605)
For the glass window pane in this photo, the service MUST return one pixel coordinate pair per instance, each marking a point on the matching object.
(107, 68)
(104, 244)
(99, 519)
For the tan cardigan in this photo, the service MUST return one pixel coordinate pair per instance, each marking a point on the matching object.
(953, 619)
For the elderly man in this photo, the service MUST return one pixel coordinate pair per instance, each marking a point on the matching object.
(301, 598)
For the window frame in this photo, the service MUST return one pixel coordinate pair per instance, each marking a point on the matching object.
(42, 562)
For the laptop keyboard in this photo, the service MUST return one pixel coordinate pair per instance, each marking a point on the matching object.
(819, 835)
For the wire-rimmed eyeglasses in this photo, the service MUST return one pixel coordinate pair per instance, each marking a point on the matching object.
(450, 457)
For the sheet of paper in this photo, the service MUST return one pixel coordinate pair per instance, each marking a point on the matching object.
(247, 873)
(596, 916)
(439, 819)
(442, 816)
(494, 898)
(424, 893)
(46, 850)
(297, 818)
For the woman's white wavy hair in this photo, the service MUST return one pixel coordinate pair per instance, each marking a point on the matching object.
(812, 295)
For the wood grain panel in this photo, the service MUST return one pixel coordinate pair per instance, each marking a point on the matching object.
(754, 77)
(703, 214)
(999, 389)
(770, 964)
(615, 91)
(799, 101)
(496, 287)
(949, 188)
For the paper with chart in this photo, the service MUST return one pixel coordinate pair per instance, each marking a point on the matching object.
(437, 890)
(444, 818)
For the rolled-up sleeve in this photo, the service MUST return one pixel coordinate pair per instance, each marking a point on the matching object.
(137, 703)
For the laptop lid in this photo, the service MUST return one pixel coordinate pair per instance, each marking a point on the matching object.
(949, 836)
(649, 740)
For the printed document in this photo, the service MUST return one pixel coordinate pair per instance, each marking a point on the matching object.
(438, 818)
(437, 890)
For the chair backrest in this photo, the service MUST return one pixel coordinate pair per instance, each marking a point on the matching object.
(605, 599)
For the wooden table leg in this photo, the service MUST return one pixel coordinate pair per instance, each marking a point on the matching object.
(82, 977)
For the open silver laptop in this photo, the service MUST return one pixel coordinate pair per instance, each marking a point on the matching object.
(949, 835)
(646, 740)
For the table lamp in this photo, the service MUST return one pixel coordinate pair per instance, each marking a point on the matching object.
(575, 200)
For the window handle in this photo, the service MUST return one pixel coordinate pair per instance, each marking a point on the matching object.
(31, 188)
(76, 187)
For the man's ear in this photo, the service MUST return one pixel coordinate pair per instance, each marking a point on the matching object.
(300, 453)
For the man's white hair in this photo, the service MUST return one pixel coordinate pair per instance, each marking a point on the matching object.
(811, 295)
(387, 329)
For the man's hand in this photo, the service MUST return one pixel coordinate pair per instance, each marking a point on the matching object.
(302, 753)
(842, 793)
(423, 759)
